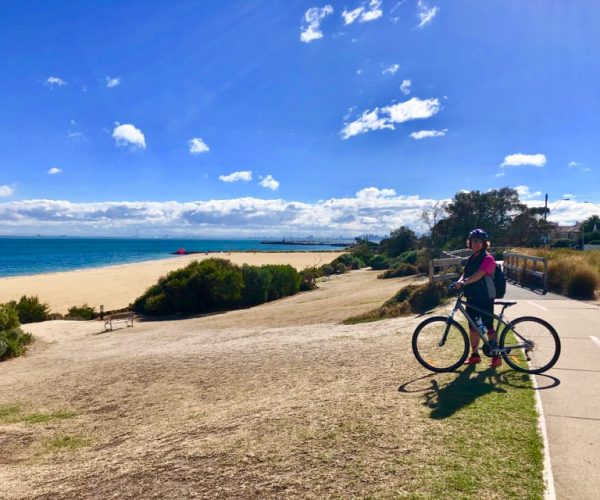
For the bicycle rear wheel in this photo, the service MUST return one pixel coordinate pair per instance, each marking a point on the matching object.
(532, 345)
(440, 344)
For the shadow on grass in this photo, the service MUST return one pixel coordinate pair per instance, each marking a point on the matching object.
(445, 400)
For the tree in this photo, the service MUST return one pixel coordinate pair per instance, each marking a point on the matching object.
(492, 211)
(431, 216)
(529, 227)
(590, 222)
(399, 241)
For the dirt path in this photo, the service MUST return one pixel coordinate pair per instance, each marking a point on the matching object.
(276, 401)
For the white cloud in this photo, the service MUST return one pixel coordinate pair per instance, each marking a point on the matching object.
(129, 135)
(425, 13)
(573, 164)
(423, 134)
(569, 195)
(373, 12)
(113, 81)
(578, 166)
(351, 16)
(54, 171)
(519, 159)
(76, 136)
(6, 191)
(359, 71)
(405, 87)
(391, 70)
(197, 146)
(312, 18)
(243, 175)
(372, 210)
(269, 183)
(526, 194)
(500, 174)
(53, 81)
(386, 117)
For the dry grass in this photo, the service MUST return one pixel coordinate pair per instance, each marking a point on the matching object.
(278, 401)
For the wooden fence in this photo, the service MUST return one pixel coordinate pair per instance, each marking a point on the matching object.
(518, 267)
(447, 269)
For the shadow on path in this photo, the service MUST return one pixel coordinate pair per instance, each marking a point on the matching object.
(446, 398)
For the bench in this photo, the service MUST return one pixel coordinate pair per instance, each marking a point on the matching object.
(123, 317)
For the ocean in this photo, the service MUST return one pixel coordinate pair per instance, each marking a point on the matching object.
(21, 256)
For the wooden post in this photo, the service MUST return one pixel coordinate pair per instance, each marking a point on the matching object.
(545, 276)
(431, 271)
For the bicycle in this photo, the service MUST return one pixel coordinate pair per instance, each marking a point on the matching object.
(527, 344)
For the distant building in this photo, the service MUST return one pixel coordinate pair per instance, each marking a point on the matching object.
(571, 233)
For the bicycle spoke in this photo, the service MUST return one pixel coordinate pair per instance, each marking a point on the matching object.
(531, 345)
(436, 357)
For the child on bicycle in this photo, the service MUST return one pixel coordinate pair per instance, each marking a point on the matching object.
(480, 291)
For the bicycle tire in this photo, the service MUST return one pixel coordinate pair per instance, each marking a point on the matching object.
(551, 334)
(457, 332)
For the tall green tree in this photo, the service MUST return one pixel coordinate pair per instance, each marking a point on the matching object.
(590, 222)
(492, 211)
(399, 241)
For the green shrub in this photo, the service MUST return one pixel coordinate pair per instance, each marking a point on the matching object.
(256, 285)
(31, 310)
(338, 267)
(426, 297)
(582, 283)
(217, 285)
(350, 261)
(82, 313)
(380, 262)
(561, 244)
(13, 342)
(400, 270)
(9, 317)
(594, 242)
(309, 277)
(327, 270)
(409, 257)
(285, 280)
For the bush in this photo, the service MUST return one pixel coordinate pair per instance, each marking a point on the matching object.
(31, 310)
(308, 278)
(400, 270)
(327, 270)
(426, 297)
(594, 242)
(83, 313)
(409, 257)
(350, 261)
(256, 285)
(217, 285)
(561, 244)
(13, 342)
(380, 262)
(9, 317)
(285, 280)
(582, 283)
(338, 267)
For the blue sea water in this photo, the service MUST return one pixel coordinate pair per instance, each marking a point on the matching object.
(21, 256)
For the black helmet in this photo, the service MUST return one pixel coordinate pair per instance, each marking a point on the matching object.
(479, 234)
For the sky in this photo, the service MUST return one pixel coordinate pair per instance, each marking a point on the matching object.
(250, 118)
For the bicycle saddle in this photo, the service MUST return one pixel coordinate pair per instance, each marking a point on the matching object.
(506, 303)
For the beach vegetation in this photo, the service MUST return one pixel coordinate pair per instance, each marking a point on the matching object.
(411, 299)
(399, 270)
(216, 284)
(349, 261)
(399, 241)
(81, 313)
(570, 272)
(31, 310)
(380, 262)
(309, 277)
(13, 340)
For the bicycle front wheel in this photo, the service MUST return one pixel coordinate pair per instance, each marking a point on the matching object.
(440, 344)
(530, 345)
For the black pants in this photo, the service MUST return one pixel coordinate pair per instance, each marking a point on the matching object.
(487, 305)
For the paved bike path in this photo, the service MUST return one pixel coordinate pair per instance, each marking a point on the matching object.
(571, 408)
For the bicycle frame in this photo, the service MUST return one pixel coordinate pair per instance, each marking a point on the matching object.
(493, 347)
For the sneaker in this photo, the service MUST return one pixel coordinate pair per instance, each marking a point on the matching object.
(473, 360)
(496, 362)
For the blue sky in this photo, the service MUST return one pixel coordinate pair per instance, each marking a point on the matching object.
(262, 117)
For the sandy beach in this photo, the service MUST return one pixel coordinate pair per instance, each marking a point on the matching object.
(115, 287)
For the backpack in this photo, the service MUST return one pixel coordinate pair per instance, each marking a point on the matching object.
(499, 282)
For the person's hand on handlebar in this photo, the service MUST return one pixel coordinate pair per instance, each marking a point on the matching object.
(457, 285)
